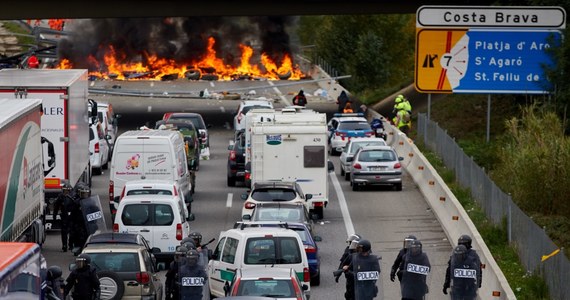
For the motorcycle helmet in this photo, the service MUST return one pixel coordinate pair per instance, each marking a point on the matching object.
(415, 247)
(82, 260)
(465, 240)
(192, 256)
(364, 246)
(460, 253)
(408, 240)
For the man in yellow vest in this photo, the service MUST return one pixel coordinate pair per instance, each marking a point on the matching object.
(402, 120)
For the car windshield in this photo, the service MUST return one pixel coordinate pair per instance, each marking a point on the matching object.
(267, 288)
(376, 156)
(354, 125)
(358, 145)
(196, 120)
(271, 194)
(115, 261)
(272, 250)
(277, 214)
(147, 215)
(149, 192)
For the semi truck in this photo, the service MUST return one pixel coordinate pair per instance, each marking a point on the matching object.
(21, 171)
(295, 139)
(64, 124)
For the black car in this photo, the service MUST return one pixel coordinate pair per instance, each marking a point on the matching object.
(236, 159)
(198, 123)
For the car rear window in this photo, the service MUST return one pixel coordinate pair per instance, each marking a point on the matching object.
(376, 156)
(277, 214)
(147, 214)
(246, 109)
(149, 192)
(91, 134)
(272, 194)
(272, 250)
(267, 287)
(358, 145)
(356, 125)
(115, 261)
(196, 120)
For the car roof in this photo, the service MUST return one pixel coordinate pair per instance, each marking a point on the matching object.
(273, 184)
(366, 139)
(114, 238)
(351, 119)
(376, 148)
(152, 198)
(149, 183)
(263, 231)
(275, 272)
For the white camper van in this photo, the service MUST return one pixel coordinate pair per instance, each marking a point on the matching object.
(148, 154)
(297, 140)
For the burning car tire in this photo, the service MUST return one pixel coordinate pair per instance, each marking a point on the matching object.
(284, 76)
(210, 77)
(193, 74)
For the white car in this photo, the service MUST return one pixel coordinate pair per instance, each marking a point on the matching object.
(108, 119)
(156, 187)
(244, 107)
(351, 147)
(98, 149)
(376, 165)
(343, 127)
(273, 191)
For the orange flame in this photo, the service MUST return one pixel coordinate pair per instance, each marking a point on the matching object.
(55, 24)
(154, 68)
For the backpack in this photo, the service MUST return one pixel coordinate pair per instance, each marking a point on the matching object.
(300, 100)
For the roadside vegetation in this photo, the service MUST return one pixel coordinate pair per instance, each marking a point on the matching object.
(25, 42)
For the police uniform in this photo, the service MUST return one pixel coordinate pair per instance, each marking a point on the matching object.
(64, 203)
(366, 272)
(192, 279)
(84, 282)
(414, 274)
(398, 266)
(463, 274)
(345, 261)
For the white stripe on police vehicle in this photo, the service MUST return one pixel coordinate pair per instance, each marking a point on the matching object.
(94, 216)
(465, 273)
(192, 281)
(418, 269)
(370, 275)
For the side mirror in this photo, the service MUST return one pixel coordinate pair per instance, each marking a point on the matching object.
(190, 218)
(305, 287)
(317, 238)
(308, 197)
(400, 158)
(108, 137)
(231, 147)
(244, 196)
(350, 158)
(246, 217)
(330, 166)
(161, 266)
(155, 250)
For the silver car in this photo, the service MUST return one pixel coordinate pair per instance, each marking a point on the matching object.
(376, 165)
(351, 147)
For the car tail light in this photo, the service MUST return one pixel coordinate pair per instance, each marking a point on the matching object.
(318, 204)
(369, 133)
(297, 288)
(247, 176)
(143, 277)
(234, 291)
(341, 134)
(239, 117)
(123, 193)
(232, 155)
(111, 191)
(115, 227)
(175, 190)
(357, 166)
(310, 249)
(179, 231)
(96, 147)
(306, 275)
(397, 165)
(249, 205)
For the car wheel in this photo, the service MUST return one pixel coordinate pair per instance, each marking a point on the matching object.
(355, 186)
(347, 176)
(398, 186)
(342, 171)
(112, 286)
(316, 281)
(231, 181)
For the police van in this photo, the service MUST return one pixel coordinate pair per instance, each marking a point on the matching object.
(254, 247)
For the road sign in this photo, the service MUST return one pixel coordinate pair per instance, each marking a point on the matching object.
(530, 17)
(483, 60)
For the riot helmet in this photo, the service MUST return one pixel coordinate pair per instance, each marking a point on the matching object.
(415, 247)
(83, 190)
(188, 243)
(180, 254)
(353, 245)
(197, 237)
(465, 240)
(54, 272)
(192, 257)
(66, 188)
(353, 237)
(408, 240)
(364, 246)
(82, 260)
(460, 253)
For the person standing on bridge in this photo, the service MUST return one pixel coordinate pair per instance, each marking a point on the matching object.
(300, 99)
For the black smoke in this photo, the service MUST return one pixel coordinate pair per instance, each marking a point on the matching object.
(183, 40)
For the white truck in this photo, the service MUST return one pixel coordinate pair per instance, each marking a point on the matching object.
(64, 123)
(21, 171)
(292, 146)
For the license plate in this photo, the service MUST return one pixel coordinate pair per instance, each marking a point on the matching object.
(377, 168)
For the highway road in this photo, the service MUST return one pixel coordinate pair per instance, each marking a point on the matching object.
(380, 214)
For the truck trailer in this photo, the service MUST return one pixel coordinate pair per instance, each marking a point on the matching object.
(291, 145)
(64, 123)
(21, 171)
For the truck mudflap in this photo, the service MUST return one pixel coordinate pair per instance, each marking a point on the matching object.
(317, 206)
(93, 214)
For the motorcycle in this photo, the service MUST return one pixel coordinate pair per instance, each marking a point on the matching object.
(378, 128)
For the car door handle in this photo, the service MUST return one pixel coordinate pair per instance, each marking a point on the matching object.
(145, 230)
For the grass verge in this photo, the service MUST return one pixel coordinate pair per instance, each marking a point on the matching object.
(525, 286)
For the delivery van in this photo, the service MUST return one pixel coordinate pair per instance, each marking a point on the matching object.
(148, 154)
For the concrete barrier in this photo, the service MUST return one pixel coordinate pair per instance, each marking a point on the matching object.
(452, 216)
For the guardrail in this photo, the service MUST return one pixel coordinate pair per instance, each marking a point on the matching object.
(452, 216)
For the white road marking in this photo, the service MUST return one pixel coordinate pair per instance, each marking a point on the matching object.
(222, 109)
(229, 200)
(151, 84)
(212, 84)
(342, 202)
(149, 108)
(287, 103)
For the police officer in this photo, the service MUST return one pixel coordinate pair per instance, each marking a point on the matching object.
(345, 259)
(416, 267)
(83, 279)
(472, 256)
(202, 249)
(77, 227)
(192, 278)
(462, 273)
(53, 283)
(172, 291)
(398, 266)
(64, 203)
(366, 271)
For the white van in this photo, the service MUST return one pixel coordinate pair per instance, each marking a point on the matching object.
(148, 154)
(254, 247)
(160, 219)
